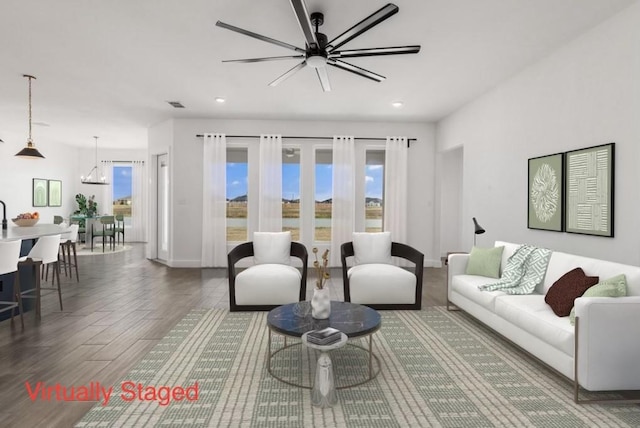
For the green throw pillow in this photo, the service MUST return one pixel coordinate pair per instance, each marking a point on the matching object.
(612, 287)
(485, 262)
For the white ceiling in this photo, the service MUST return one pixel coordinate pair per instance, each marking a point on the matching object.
(107, 68)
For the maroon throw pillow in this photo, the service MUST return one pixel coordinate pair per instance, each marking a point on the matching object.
(567, 289)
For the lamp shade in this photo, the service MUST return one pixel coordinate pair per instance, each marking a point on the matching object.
(29, 152)
(479, 230)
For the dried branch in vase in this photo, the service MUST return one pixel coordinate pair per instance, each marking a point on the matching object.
(322, 272)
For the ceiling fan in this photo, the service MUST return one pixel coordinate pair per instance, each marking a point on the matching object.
(319, 52)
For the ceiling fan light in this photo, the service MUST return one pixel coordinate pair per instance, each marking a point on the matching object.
(316, 61)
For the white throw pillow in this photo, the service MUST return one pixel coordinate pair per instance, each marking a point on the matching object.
(272, 247)
(372, 248)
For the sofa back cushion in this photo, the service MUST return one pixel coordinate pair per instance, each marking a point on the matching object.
(372, 248)
(272, 248)
(560, 263)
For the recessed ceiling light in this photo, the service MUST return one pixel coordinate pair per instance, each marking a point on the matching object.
(397, 104)
(220, 100)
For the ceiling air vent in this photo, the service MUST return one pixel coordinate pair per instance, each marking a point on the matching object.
(176, 104)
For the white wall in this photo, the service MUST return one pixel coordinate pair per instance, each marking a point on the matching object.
(60, 163)
(186, 173)
(586, 93)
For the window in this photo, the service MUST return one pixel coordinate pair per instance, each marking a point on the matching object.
(374, 190)
(291, 192)
(122, 191)
(237, 194)
(323, 194)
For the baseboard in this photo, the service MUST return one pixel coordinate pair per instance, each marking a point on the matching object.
(433, 263)
(184, 263)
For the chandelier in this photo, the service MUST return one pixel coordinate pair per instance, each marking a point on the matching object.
(99, 178)
(30, 150)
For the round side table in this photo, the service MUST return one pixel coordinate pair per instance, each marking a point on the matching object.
(323, 393)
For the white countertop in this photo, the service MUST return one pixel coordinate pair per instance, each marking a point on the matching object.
(14, 232)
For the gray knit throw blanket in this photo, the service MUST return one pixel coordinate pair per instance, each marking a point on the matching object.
(525, 269)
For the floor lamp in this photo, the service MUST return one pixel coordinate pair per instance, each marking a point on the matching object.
(478, 230)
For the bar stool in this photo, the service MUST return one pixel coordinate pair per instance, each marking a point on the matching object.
(67, 243)
(45, 252)
(9, 255)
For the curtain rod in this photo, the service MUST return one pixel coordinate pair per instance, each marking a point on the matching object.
(409, 140)
(121, 161)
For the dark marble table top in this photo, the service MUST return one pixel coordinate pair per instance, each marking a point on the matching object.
(352, 319)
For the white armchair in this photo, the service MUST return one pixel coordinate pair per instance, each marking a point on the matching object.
(376, 282)
(271, 281)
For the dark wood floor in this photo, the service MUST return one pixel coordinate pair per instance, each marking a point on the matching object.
(122, 306)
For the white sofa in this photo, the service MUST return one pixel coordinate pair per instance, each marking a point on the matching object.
(606, 336)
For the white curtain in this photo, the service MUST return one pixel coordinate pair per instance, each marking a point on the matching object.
(344, 192)
(214, 201)
(138, 232)
(270, 194)
(395, 188)
(107, 191)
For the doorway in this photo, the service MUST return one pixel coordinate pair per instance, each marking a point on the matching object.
(163, 217)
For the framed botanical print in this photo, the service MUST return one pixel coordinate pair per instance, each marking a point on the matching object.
(55, 193)
(589, 184)
(39, 192)
(545, 196)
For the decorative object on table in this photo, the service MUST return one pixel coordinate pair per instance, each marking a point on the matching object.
(26, 219)
(100, 178)
(589, 190)
(545, 197)
(39, 192)
(321, 300)
(4, 215)
(477, 230)
(30, 150)
(55, 193)
(323, 337)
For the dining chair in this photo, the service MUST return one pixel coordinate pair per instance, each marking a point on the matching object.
(120, 227)
(9, 256)
(108, 230)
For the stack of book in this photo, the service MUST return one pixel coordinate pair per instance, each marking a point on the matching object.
(324, 337)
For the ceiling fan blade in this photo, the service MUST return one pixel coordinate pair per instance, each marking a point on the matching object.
(259, 37)
(288, 74)
(300, 9)
(356, 70)
(269, 58)
(324, 78)
(362, 26)
(396, 50)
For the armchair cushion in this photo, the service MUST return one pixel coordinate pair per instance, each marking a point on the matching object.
(268, 284)
(379, 283)
(372, 248)
(272, 248)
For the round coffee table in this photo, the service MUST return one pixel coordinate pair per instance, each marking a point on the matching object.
(294, 319)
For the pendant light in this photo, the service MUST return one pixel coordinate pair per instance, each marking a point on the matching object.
(30, 151)
(100, 178)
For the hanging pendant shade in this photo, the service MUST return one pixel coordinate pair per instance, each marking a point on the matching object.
(30, 151)
(99, 179)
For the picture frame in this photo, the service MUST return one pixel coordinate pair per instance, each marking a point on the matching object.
(55, 193)
(589, 185)
(39, 192)
(545, 196)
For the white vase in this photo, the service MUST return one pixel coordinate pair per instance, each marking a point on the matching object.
(321, 303)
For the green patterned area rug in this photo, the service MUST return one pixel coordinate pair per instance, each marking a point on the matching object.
(439, 369)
